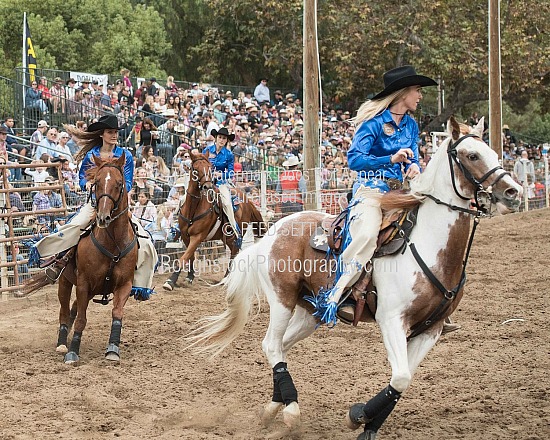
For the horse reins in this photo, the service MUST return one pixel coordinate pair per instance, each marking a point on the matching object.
(480, 211)
(114, 259)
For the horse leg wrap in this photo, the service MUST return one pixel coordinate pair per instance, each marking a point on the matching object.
(283, 386)
(379, 420)
(75, 343)
(174, 277)
(116, 328)
(366, 413)
(374, 407)
(62, 335)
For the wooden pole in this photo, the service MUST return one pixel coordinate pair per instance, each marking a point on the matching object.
(311, 103)
(495, 92)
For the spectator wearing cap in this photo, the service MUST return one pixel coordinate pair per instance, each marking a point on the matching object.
(253, 118)
(37, 137)
(125, 92)
(292, 186)
(217, 112)
(57, 96)
(85, 84)
(278, 98)
(261, 92)
(48, 145)
(228, 101)
(95, 105)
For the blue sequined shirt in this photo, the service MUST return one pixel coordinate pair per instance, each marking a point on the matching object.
(88, 162)
(223, 161)
(373, 144)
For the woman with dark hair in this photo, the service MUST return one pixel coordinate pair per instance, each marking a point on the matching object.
(148, 136)
(99, 140)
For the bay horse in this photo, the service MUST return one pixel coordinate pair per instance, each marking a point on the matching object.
(105, 261)
(201, 218)
(416, 289)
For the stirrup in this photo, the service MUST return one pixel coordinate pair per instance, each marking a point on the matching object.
(346, 313)
(53, 273)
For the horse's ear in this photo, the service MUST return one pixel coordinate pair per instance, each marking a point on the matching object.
(479, 128)
(453, 128)
(121, 161)
(97, 160)
(192, 155)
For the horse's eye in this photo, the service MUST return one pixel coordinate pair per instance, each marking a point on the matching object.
(473, 157)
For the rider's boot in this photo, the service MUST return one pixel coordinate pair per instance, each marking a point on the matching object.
(57, 266)
(449, 326)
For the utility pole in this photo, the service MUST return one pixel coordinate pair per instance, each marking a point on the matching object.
(311, 104)
(495, 87)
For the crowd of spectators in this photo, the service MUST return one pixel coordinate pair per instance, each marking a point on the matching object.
(161, 124)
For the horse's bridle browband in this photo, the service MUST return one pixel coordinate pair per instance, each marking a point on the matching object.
(116, 202)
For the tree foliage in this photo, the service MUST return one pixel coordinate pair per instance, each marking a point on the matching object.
(236, 42)
(87, 35)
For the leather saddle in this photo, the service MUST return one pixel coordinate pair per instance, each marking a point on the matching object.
(328, 235)
(392, 238)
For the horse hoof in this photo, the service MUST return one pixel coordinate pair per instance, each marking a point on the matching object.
(367, 435)
(355, 416)
(291, 416)
(71, 358)
(168, 286)
(61, 349)
(189, 281)
(269, 412)
(112, 353)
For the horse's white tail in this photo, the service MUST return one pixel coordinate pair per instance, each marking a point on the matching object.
(215, 333)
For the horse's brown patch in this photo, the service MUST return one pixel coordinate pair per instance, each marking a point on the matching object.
(294, 267)
(447, 271)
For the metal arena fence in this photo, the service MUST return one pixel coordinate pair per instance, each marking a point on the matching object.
(18, 227)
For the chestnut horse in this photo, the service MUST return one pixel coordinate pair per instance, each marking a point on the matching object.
(201, 218)
(411, 304)
(105, 261)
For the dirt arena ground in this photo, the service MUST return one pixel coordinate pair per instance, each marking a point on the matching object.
(488, 381)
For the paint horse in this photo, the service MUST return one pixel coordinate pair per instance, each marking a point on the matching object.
(201, 218)
(104, 263)
(411, 307)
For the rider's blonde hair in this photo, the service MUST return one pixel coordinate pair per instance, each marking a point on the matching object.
(373, 107)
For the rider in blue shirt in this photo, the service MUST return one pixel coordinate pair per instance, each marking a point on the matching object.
(222, 160)
(383, 152)
(100, 139)
(373, 145)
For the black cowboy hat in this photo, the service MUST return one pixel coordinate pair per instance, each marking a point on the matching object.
(401, 77)
(224, 132)
(107, 121)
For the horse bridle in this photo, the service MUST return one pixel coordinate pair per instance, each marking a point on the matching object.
(450, 294)
(202, 186)
(95, 203)
(452, 154)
